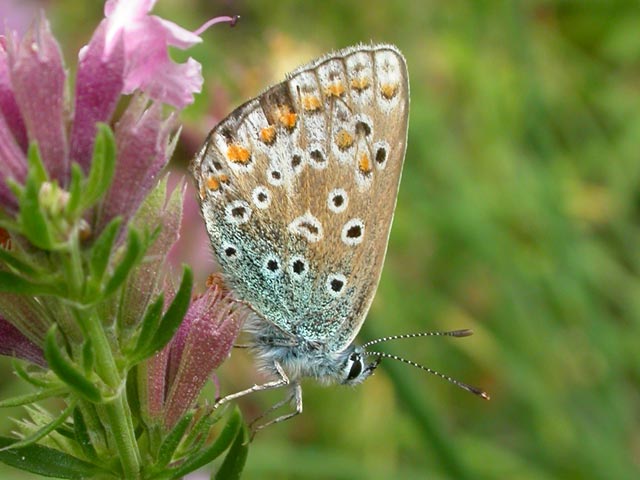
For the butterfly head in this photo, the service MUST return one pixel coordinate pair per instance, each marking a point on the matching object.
(355, 369)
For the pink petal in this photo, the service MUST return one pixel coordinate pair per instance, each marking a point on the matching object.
(38, 77)
(99, 84)
(149, 67)
(142, 142)
(8, 106)
(14, 165)
(152, 386)
(216, 322)
(14, 344)
(128, 10)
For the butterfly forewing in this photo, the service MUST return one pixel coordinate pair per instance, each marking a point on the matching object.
(298, 188)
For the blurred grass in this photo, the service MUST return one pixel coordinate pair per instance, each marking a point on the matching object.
(518, 216)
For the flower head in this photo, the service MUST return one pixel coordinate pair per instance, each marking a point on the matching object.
(178, 373)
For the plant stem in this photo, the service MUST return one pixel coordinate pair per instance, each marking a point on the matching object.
(117, 410)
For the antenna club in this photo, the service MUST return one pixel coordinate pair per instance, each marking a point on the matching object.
(467, 332)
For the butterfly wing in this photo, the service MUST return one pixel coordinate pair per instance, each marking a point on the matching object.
(298, 188)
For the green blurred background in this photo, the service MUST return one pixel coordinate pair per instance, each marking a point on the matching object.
(518, 217)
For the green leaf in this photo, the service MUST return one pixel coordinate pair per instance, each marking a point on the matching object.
(173, 316)
(44, 431)
(33, 222)
(9, 258)
(75, 191)
(88, 357)
(172, 440)
(36, 379)
(102, 167)
(132, 255)
(33, 397)
(12, 283)
(67, 371)
(81, 435)
(236, 457)
(101, 253)
(36, 166)
(148, 326)
(213, 451)
(46, 461)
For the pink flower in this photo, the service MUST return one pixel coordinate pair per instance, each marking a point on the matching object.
(127, 54)
(176, 375)
(146, 38)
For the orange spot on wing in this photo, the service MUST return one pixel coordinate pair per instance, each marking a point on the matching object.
(360, 84)
(212, 183)
(238, 154)
(286, 117)
(335, 89)
(389, 90)
(268, 134)
(344, 139)
(311, 103)
(364, 164)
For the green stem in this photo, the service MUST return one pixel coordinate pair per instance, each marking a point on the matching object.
(118, 415)
(117, 410)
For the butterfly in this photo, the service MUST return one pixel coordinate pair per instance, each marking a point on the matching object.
(298, 189)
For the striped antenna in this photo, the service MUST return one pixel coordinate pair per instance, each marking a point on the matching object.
(453, 333)
(464, 386)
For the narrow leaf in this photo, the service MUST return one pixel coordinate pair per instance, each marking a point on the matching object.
(236, 457)
(67, 371)
(12, 283)
(81, 435)
(46, 461)
(173, 316)
(9, 258)
(102, 166)
(75, 190)
(172, 440)
(36, 167)
(101, 253)
(33, 397)
(213, 451)
(36, 379)
(44, 431)
(32, 219)
(131, 258)
(148, 326)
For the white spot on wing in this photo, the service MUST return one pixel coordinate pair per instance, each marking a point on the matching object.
(307, 226)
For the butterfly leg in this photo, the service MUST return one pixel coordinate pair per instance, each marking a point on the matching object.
(296, 393)
(280, 382)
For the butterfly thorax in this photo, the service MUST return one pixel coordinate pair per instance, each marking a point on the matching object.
(300, 358)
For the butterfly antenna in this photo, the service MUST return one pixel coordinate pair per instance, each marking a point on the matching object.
(464, 386)
(452, 333)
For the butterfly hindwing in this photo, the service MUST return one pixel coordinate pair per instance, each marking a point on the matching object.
(298, 188)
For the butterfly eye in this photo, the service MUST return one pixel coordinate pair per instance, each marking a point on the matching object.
(356, 366)
(353, 231)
